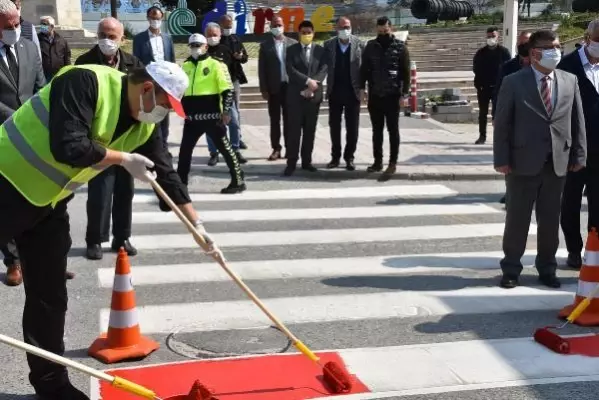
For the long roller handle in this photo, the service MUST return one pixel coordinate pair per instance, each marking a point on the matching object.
(582, 305)
(206, 247)
(113, 380)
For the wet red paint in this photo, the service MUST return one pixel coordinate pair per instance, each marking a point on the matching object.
(273, 377)
(584, 345)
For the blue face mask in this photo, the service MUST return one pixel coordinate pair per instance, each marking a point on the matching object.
(44, 28)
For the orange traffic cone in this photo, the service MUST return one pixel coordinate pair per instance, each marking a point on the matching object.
(588, 279)
(123, 341)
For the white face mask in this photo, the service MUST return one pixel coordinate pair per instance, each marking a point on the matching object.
(227, 32)
(593, 49)
(11, 37)
(157, 114)
(155, 23)
(276, 31)
(550, 58)
(195, 52)
(492, 42)
(213, 41)
(108, 47)
(344, 34)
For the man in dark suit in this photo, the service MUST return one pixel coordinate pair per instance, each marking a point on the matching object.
(273, 80)
(112, 190)
(155, 45)
(307, 68)
(21, 76)
(584, 63)
(344, 56)
(539, 135)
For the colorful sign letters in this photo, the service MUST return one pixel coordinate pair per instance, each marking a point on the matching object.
(183, 21)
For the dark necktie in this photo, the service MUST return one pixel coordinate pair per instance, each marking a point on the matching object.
(12, 63)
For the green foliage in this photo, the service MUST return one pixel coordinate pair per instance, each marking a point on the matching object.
(574, 25)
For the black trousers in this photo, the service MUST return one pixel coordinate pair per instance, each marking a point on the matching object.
(384, 109)
(302, 129)
(42, 235)
(11, 255)
(164, 130)
(484, 96)
(217, 131)
(110, 192)
(277, 105)
(571, 204)
(338, 103)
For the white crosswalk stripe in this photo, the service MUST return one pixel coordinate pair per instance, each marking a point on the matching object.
(413, 258)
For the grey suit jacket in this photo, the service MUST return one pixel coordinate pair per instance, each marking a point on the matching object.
(355, 56)
(31, 78)
(524, 134)
(269, 65)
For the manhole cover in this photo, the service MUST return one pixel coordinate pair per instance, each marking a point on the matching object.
(228, 343)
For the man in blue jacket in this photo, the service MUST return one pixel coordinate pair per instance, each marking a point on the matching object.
(584, 63)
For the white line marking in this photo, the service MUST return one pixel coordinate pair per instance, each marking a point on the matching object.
(325, 236)
(245, 314)
(315, 268)
(326, 193)
(407, 210)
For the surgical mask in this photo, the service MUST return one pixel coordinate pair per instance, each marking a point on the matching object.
(492, 42)
(108, 47)
(155, 23)
(44, 28)
(550, 58)
(306, 39)
(227, 32)
(213, 41)
(195, 52)
(344, 34)
(157, 114)
(593, 49)
(276, 31)
(11, 37)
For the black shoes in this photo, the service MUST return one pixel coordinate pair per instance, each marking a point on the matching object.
(510, 282)
(95, 252)
(233, 189)
(550, 281)
(574, 260)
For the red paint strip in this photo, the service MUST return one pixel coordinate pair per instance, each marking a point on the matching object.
(273, 377)
(584, 345)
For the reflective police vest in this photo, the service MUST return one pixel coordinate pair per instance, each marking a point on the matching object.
(207, 77)
(25, 156)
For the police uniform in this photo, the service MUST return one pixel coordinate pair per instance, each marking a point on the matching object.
(50, 147)
(208, 96)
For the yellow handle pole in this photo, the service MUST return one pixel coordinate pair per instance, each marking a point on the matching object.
(200, 240)
(113, 380)
(582, 305)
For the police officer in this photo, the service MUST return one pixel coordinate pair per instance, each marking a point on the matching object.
(86, 119)
(208, 102)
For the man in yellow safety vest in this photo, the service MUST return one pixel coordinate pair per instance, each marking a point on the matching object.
(86, 119)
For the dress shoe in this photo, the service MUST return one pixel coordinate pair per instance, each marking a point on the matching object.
(275, 155)
(94, 252)
(14, 276)
(574, 260)
(240, 158)
(243, 145)
(385, 176)
(233, 189)
(68, 392)
(118, 243)
(213, 159)
(376, 167)
(509, 282)
(550, 281)
(350, 166)
(333, 164)
(481, 140)
(309, 168)
(69, 275)
(288, 171)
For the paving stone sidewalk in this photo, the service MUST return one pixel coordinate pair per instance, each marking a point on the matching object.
(429, 151)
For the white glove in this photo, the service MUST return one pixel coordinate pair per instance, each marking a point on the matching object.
(138, 165)
(212, 247)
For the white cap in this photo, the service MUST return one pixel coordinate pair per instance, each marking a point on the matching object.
(197, 38)
(172, 80)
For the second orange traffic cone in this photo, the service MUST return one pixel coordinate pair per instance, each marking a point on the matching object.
(588, 279)
(123, 341)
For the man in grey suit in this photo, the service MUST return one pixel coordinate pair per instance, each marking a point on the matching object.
(344, 56)
(21, 76)
(272, 77)
(307, 69)
(539, 135)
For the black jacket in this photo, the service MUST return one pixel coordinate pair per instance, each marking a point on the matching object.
(127, 61)
(55, 54)
(486, 63)
(236, 46)
(225, 54)
(386, 68)
(590, 100)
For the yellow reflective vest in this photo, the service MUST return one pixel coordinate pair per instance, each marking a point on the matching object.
(207, 77)
(25, 156)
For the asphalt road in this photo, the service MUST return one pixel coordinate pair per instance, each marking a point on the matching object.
(280, 243)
